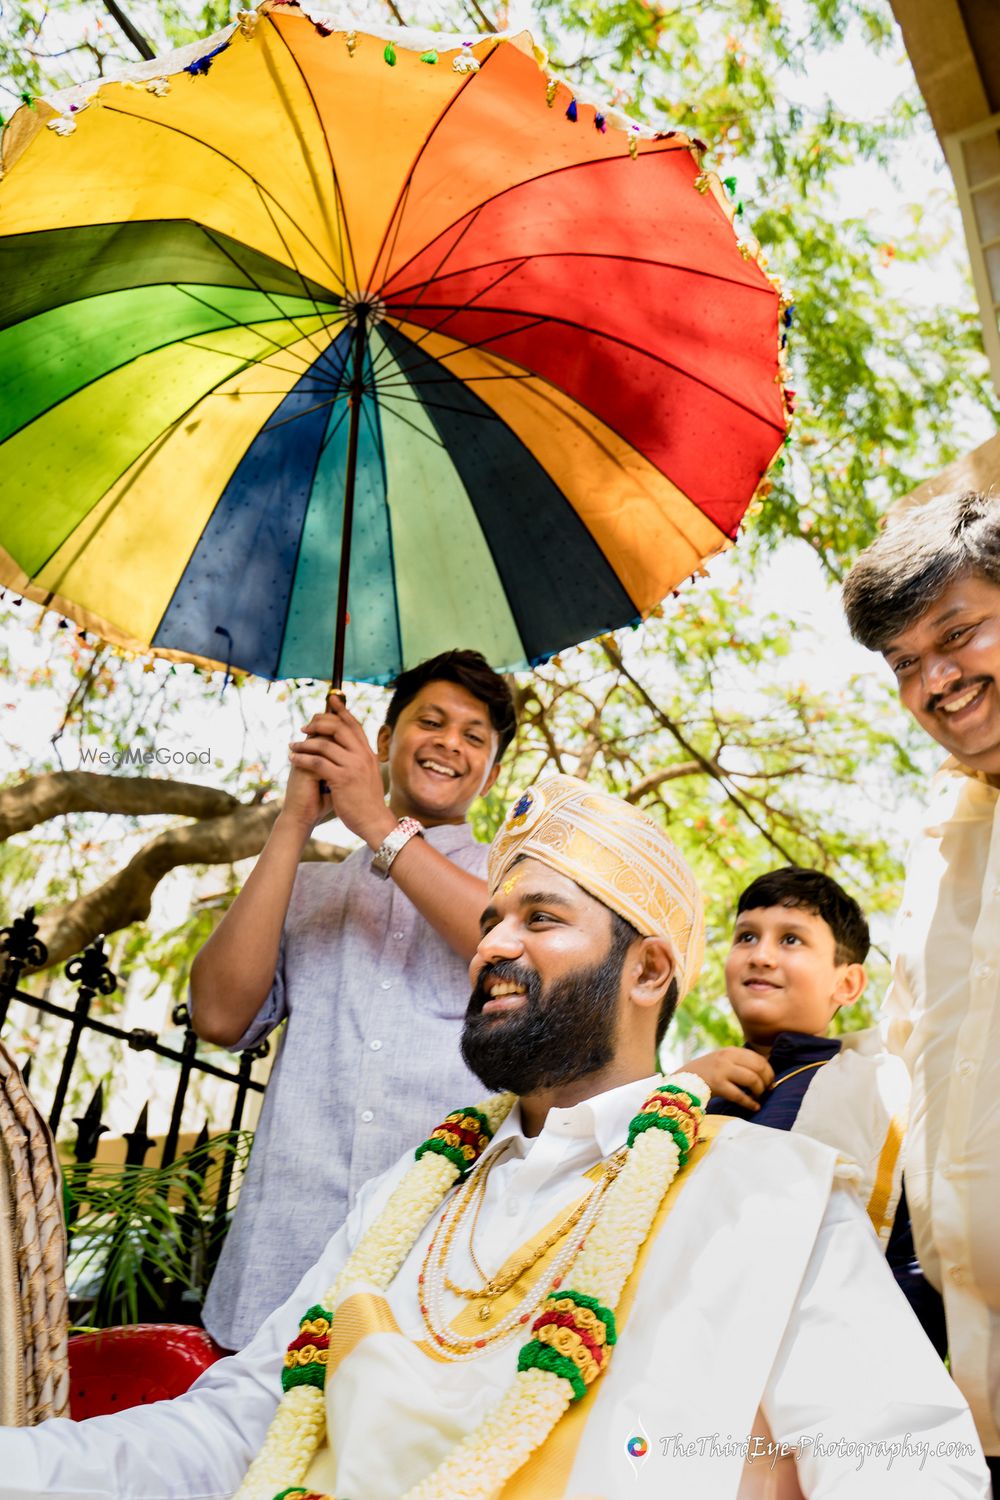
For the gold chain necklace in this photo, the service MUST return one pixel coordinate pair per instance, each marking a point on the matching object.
(796, 1071)
(433, 1278)
(495, 1286)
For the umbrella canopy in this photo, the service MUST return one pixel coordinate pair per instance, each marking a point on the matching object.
(296, 263)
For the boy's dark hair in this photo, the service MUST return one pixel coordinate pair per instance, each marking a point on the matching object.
(811, 890)
(471, 671)
(915, 559)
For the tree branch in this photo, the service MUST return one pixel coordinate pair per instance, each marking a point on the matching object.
(127, 896)
(649, 783)
(43, 797)
(614, 656)
(134, 35)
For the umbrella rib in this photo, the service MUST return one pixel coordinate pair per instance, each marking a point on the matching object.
(471, 303)
(215, 150)
(513, 187)
(342, 228)
(437, 361)
(397, 416)
(487, 415)
(389, 383)
(245, 364)
(334, 427)
(143, 460)
(395, 219)
(466, 348)
(622, 343)
(234, 323)
(470, 221)
(197, 341)
(229, 256)
(273, 426)
(291, 257)
(631, 260)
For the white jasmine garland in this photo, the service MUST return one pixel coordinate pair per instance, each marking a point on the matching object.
(511, 1431)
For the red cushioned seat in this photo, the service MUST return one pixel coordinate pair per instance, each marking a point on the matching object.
(121, 1367)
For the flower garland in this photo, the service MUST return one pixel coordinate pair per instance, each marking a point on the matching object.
(573, 1334)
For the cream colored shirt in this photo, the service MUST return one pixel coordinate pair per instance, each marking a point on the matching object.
(943, 1014)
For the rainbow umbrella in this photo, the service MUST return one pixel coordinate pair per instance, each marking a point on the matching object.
(303, 325)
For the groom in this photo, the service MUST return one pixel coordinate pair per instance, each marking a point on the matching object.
(685, 1302)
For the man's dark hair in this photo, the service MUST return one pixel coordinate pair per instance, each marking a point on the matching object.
(623, 935)
(917, 556)
(472, 672)
(811, 890)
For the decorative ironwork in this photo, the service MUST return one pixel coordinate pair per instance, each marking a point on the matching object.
(90, 973)
(90, 1127)
(23, 949)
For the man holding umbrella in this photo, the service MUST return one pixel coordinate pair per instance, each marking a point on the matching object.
(365, 959)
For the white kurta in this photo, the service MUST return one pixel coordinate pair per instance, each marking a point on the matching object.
(858, 1103)
(763, 1289)
(943, 1010)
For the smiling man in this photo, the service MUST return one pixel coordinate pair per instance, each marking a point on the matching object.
(926, 595)
(584, 1291)
(365, 959)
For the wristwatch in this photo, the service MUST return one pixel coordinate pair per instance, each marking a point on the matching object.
(404, 831)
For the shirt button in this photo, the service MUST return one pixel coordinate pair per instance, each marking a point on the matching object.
(966, 1067)
(399, 936)
(367, 1116)
(387, 984)
(375, 1046)
(984, 971)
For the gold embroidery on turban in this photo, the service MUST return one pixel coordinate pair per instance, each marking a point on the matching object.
(615, 852)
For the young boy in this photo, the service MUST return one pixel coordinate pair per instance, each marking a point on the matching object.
(367, 960)
(797, 956)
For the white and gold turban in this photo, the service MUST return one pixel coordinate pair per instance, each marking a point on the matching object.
(616, 853)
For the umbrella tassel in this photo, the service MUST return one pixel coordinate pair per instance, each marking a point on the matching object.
(201, 65)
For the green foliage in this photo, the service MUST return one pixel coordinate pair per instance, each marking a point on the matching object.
(888, 391)
(136, 1232)
(703, 723)
(747, 767)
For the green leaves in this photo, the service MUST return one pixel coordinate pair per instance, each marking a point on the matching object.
(134, 1231)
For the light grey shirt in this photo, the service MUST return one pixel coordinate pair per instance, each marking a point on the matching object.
(369, 1064)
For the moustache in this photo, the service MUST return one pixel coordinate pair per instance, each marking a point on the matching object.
(504, 968)
(936, 699)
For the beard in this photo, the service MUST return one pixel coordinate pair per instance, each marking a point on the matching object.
(557, 1034)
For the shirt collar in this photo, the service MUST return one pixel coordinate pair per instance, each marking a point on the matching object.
(448, 838)
(603, 1119)
(953, 767)
(793, 1049)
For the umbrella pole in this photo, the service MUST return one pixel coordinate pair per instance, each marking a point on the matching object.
(357, 391)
